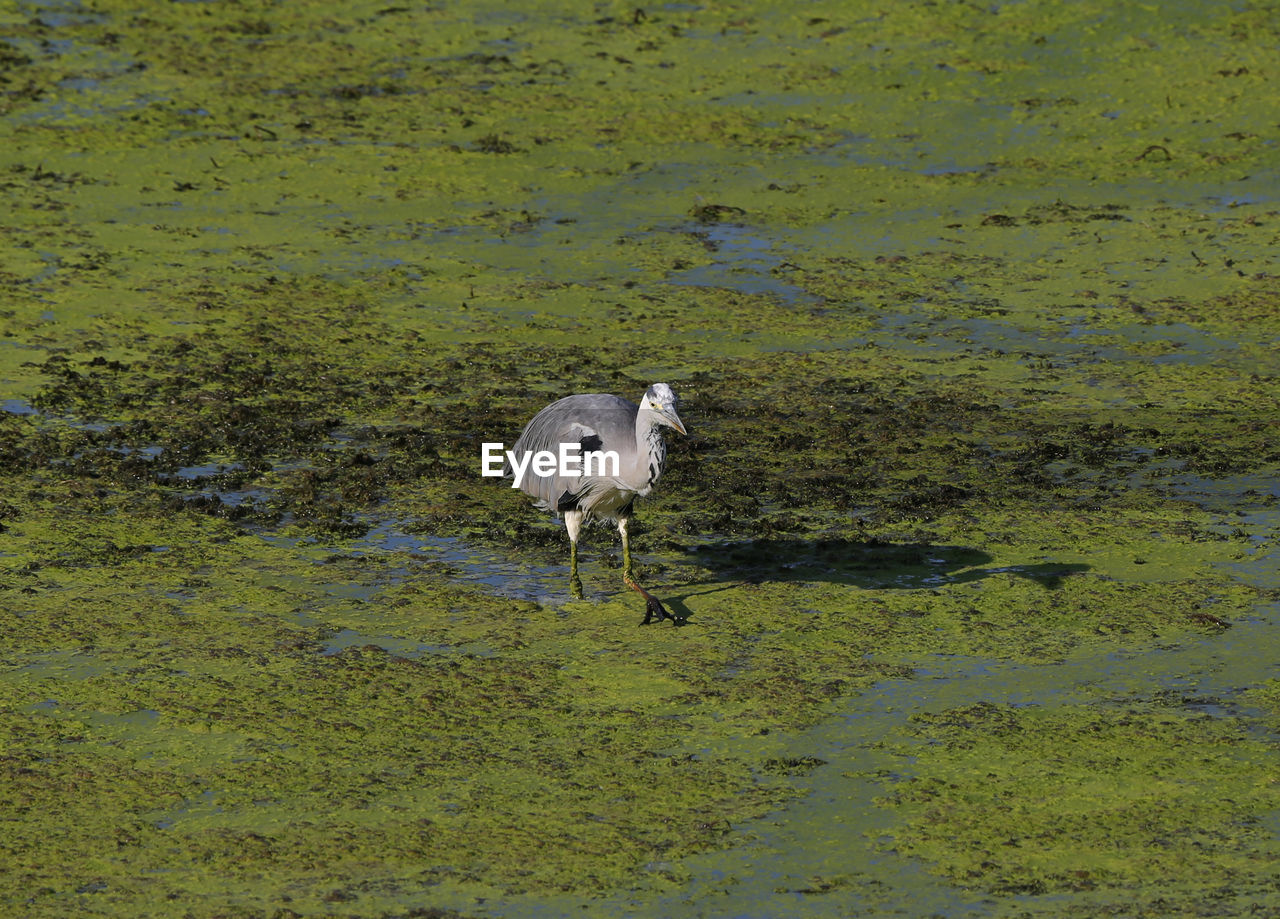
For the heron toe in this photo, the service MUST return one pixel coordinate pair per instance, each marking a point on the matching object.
(653, 609)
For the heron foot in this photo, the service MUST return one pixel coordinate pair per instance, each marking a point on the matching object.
(575, 587)
(653, 608)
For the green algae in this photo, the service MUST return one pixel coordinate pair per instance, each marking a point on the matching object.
(956, 298)
(1144, 798)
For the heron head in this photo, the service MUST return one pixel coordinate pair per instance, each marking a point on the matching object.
(661, 399)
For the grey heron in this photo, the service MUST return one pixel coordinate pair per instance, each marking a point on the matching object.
(599, 423)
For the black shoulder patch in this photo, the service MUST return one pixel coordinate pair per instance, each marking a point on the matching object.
(591, 443)
(568, 502)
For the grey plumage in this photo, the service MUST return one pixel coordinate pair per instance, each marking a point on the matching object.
(607, 423)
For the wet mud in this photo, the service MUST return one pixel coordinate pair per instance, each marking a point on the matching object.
(973, 314)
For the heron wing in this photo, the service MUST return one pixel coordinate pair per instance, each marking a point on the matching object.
(598, 421)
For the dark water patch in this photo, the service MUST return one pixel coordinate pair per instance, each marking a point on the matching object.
(745, 262)
(93, 80)
(1061, 341)
(59, 14)
(955, 152)
(79, 664)
(18, 407)
(202, 805)
(207, 471)
(1183, 344)
(1249, 509)
(506, 573)
(395, 644)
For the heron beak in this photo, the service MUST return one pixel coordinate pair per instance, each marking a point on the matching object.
(669, 416)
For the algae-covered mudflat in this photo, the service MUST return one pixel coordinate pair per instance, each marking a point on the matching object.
(974, 311)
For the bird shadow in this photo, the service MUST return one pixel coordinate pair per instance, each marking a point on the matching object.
(871, 565)
(680, 613)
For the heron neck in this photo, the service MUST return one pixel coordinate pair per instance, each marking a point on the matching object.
(650, 446)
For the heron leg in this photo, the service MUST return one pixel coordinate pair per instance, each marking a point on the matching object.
(573, 523)
(653, 608)
(575, 582)
(628, 574)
